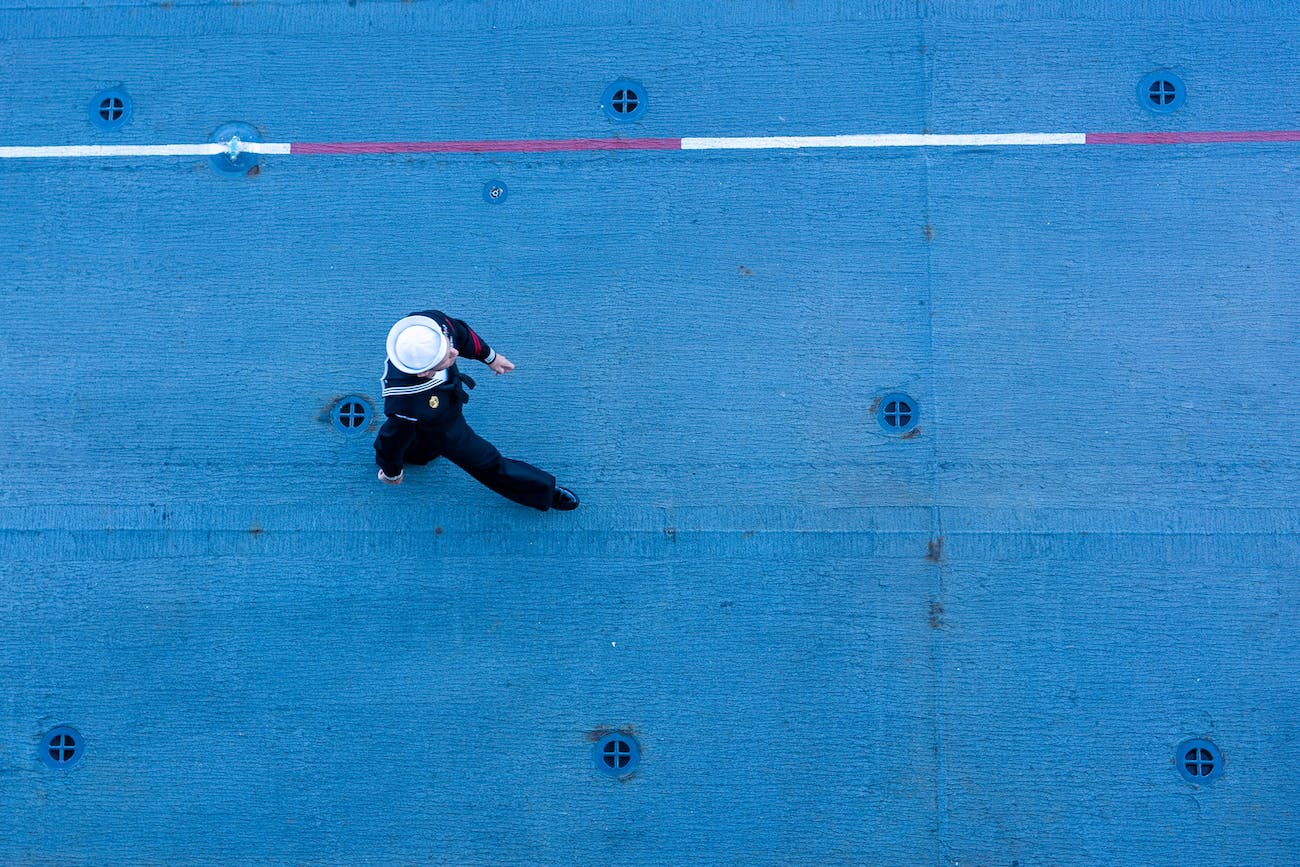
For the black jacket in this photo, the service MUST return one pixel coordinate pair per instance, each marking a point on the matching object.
(412, 403)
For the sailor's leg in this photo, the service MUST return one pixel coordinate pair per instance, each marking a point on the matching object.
(425, 448)
(514, 480)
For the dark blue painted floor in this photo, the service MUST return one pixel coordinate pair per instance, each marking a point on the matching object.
(979, 644)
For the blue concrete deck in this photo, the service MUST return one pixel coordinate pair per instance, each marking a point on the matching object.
(979, 645)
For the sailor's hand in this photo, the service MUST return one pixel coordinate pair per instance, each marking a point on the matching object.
(393, 481)
(501, 364)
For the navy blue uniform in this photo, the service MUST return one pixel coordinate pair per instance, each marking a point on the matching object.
(425, 421)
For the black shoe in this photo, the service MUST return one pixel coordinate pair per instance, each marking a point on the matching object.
(564, 500)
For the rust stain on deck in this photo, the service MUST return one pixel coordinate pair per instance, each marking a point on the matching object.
(934, 549)
(936, 614)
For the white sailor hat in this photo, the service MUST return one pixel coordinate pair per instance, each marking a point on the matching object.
(416, 344)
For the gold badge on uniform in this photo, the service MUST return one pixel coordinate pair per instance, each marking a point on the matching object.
(433, 402)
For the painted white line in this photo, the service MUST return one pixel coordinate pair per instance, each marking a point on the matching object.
(264, 147)
(172, 150)
(883, 141)
(175, 150)
(234, 146)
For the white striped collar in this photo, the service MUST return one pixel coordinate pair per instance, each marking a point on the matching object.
(439, 378)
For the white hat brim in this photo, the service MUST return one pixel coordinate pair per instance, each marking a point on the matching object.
(405, 323)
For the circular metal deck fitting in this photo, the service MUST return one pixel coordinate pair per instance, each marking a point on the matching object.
(494, 192)
(897, 413)
(61, 747)
(624, 100)
(617, 754)
(1198, 760)
(111, 109)
(1161, 92)
(351, 416)
(234, 161)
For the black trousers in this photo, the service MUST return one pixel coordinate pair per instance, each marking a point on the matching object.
(515, 480)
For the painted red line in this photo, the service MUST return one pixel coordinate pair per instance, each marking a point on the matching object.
(1192, 137)
(478, 147)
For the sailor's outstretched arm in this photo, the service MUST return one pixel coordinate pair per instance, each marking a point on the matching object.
(395, 437)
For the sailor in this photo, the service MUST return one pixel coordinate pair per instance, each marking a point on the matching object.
(423, 394)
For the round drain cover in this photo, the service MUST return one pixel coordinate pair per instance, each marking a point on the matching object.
(61, 747)
(1161, 92)
(617, 754)
(624, 100)
(110, 109)
(1198, 760)
(351, 415)
(242, 161)
(897, 413)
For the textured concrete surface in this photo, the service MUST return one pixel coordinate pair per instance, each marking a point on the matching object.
(977, 645)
